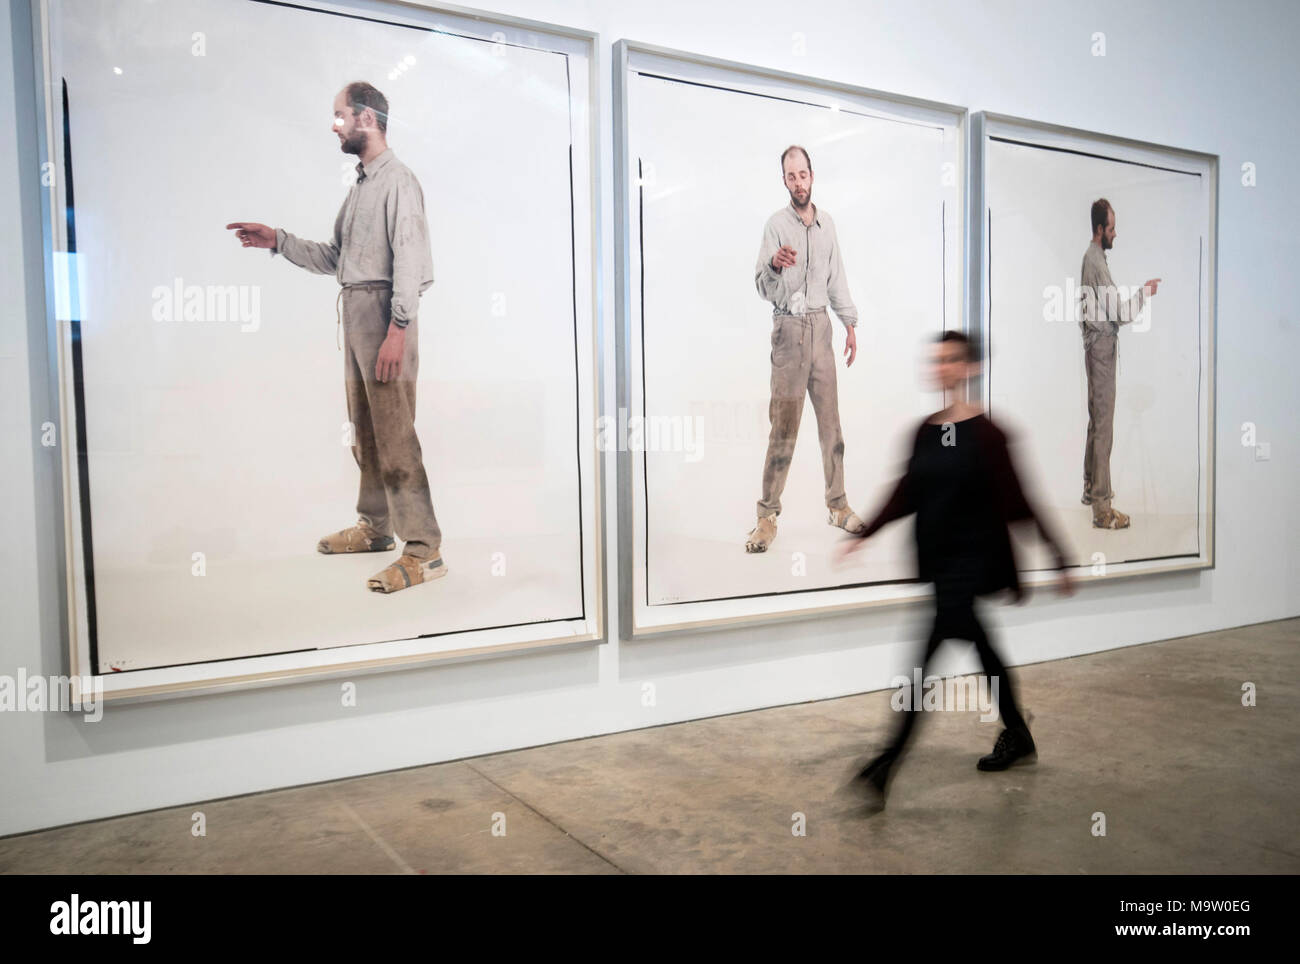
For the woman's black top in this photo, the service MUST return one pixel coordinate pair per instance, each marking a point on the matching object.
(964, 490)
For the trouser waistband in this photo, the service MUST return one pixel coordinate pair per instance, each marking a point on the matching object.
(338, 305)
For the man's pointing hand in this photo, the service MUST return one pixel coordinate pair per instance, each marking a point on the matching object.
(253, 235)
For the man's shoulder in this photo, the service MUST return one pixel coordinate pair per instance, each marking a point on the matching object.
(779, 217)
(396, 171)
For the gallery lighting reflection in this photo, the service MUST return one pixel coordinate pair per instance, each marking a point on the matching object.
(405, 64)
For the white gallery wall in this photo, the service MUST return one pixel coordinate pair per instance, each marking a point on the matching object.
(1199, 76)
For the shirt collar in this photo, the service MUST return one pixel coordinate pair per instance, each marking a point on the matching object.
(817, 217)
(364, 171)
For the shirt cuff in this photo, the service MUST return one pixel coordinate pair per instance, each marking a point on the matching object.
(279, 242)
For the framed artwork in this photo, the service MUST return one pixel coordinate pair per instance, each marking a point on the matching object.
(1097, 263)
(323, 333)
(746, 291)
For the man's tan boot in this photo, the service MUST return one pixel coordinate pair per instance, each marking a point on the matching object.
(1109, 518)
(357, 538)
(762, 535)
(846, 519)
(406, 572)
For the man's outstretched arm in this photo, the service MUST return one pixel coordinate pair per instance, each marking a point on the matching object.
(319, 257)
(1124, 312)
(1013, 504)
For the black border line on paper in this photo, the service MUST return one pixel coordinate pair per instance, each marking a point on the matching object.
(410, 26)
(79, 387)
(577, 384)
(645, 463)
(1100, 157)
(788, 100)
(943, 261)
(327, 649)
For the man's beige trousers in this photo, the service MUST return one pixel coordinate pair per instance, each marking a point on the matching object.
(1099, 363)
(394, 489)
(803, 364)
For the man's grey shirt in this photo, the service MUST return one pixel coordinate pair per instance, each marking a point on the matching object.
(816, 278)
(380, 235)
(1101, 311)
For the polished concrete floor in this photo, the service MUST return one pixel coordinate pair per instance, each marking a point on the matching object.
(1154, 737)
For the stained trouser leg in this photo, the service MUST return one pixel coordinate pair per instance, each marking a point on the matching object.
(1092, 429)
(1100, 365)
(791, 362)
(823, 389)
(392, 419)
(372, 500)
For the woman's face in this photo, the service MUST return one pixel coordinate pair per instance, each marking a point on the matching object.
(948, 365)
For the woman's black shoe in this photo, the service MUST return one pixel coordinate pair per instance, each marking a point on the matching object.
(1012, 745)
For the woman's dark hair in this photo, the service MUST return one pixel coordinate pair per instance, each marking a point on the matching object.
(969, 342)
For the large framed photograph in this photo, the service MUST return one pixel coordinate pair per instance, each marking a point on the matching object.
(787, 246)
(322, 296)
(1098, 261)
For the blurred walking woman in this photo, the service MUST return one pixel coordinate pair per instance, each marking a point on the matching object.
(963, 489)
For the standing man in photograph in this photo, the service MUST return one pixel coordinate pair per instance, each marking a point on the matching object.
(1102, 314)
(800, 272)
(381, 258)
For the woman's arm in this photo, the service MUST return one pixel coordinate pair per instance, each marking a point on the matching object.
(1014, 504)
(901, 502)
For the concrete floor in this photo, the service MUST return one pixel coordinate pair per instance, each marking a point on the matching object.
(1155, 737)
